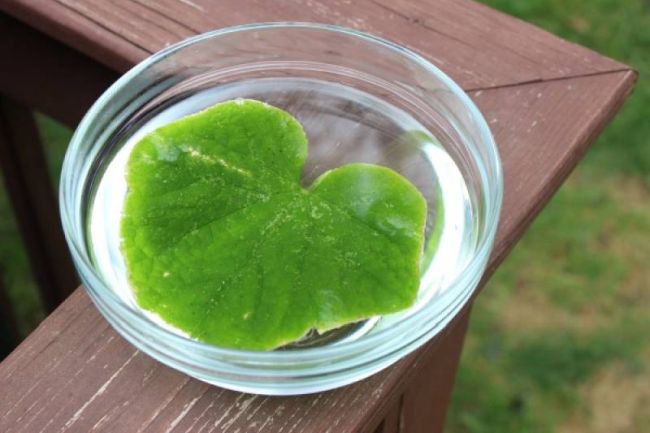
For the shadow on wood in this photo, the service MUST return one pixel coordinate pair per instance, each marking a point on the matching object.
(8, 327)
(32, 195)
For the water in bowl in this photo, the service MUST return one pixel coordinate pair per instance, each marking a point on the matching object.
(344, 125)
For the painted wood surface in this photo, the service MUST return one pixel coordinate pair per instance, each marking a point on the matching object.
(544, 98)
(74, 373)
(477, 46)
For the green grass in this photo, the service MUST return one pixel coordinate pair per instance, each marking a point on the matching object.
(558, 341)
(619, 29)
(564, 323)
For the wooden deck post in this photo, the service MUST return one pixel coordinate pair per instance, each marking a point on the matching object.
(9, 337)
(544, 111)
(27, 180)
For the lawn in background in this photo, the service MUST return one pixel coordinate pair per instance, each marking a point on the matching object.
(558, 342)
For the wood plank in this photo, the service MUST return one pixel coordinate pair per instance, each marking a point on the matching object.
(543, 131)
(425, 401)
(477, 46)
(75, 30)
(392, 419)
(27, 180)
(8, 325)
(75, 374)
(63, 95)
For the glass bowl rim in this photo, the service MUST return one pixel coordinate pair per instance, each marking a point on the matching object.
(493, 202)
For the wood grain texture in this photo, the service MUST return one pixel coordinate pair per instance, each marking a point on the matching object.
(542, 132)
(477, 46)
(75, 374)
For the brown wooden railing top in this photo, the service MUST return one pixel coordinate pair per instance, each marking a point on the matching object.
(545, 100)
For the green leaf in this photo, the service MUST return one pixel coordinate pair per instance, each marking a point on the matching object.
(223, 242)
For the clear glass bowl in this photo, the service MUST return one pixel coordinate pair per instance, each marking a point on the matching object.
(377, 72)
